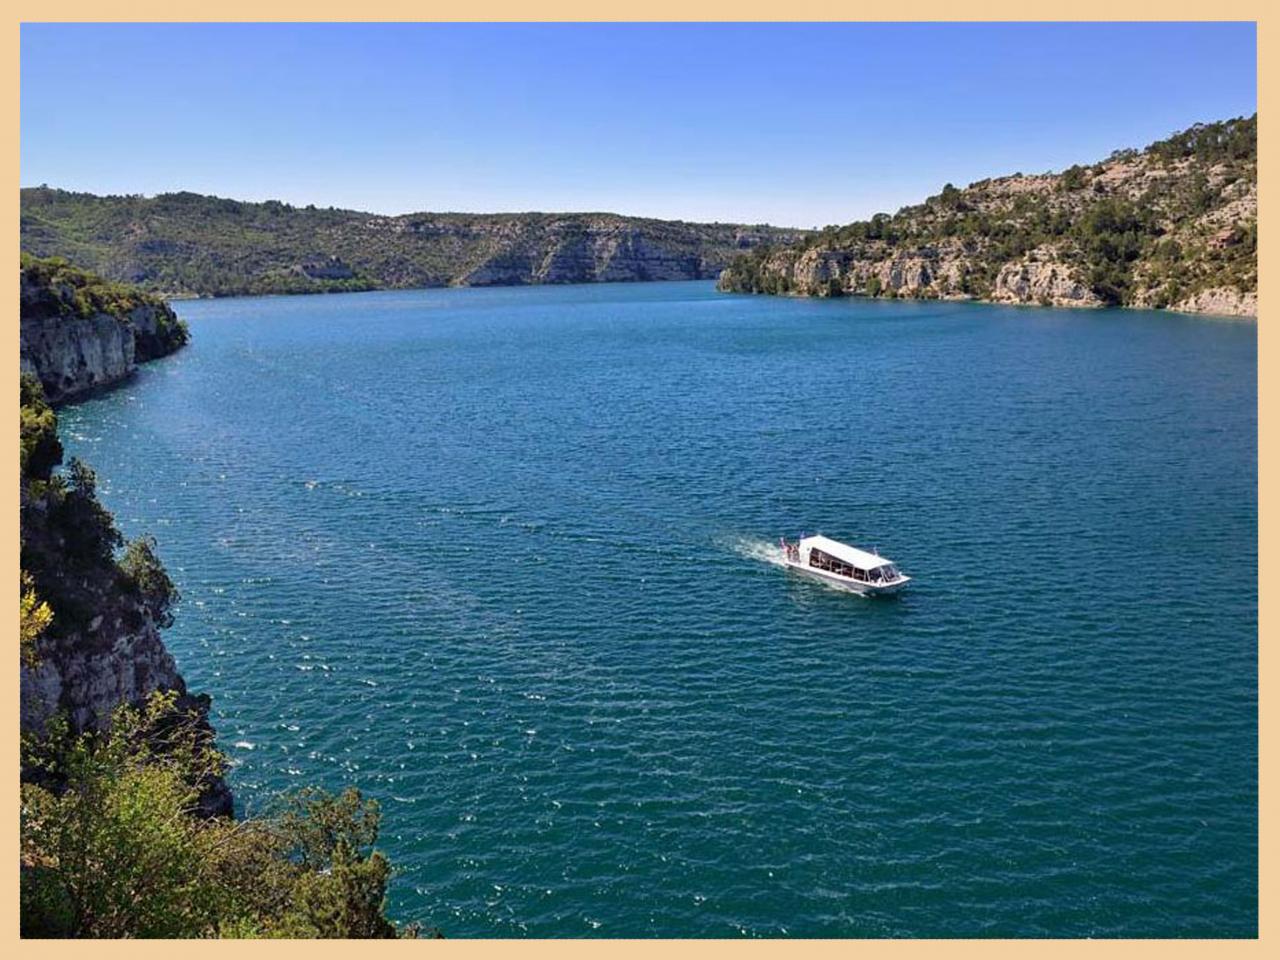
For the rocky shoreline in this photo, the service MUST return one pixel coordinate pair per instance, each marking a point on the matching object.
(79, 335)
(1172, 227)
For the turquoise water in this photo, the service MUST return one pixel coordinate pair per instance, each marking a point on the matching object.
(502, 558)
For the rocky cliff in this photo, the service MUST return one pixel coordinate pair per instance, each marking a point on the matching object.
(187, 244)
(86, 668)
(79, 333)
(102, 647)
(1173, 226)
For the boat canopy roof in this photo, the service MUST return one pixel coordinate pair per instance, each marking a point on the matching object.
(842, 551)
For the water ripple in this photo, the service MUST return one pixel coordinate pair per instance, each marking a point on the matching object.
(506, 560)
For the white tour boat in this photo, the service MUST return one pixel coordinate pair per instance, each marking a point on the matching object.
(842, 565)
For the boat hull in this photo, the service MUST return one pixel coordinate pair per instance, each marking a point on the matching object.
(860, 587)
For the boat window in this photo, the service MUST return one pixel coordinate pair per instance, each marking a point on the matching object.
(821, 560)
(825, 561)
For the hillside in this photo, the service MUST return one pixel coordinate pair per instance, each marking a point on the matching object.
(186, 244)
(79, 332)
(1172, 226)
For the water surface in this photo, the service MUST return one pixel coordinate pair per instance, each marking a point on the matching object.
(503, 559)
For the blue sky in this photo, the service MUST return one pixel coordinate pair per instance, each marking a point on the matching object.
(795, 124)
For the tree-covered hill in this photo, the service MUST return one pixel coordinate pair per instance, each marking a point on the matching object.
(1174, 225)
(187, 244)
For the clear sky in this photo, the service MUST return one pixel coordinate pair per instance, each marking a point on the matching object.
(797, 124)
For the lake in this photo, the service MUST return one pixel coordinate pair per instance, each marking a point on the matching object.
(504, 559)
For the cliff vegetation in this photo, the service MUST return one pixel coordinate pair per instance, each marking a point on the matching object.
(1172, 226)
(79, 332)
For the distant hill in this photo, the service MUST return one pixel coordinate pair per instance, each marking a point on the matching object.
(187, 244)
(1174, 225)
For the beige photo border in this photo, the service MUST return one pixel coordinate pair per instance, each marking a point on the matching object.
(666, 10)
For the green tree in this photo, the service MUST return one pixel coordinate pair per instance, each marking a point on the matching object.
(40, 449)
(343, 891)
(34, 619)
(144, 573)
(112, 844)
(1073, 178)
(89, 531)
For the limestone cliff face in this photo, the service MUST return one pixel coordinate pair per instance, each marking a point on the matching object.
(78, 333)
(103, 647)
(932, 271)
(116, 657)
(1044, 279)
(119, 658)
(518, 250)
(72, 355)
(153, 326)
(1222, 302)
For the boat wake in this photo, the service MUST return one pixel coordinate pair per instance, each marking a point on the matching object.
(756, 549)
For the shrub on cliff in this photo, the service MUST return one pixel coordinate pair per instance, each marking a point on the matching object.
(1073, 178)
(40, 449)
(67, 537)
(52, 287)
(89, 534)
(112, 846)
(143, 572)
(34, 618)
(109, 848)
(342, 884)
